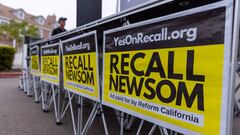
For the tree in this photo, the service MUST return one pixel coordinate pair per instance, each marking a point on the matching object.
(16, 30)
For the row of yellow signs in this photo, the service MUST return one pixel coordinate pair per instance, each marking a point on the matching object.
(169, 72)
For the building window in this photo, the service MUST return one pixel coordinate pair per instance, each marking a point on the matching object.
(21, 15)
(41, 21)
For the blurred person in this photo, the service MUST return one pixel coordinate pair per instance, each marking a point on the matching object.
(60, 29)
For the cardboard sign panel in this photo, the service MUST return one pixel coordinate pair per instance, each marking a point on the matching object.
(50, 63)
(80, 65)
(170, 70)
(34, 61)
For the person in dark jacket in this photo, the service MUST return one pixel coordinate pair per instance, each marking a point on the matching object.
(60, 29)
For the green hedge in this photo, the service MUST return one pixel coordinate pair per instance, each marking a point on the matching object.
(6, 57)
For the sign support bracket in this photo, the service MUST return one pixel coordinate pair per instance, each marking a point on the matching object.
(234, 51)
(36, 83)
(71, 110)
(80, 115)
(96, 108)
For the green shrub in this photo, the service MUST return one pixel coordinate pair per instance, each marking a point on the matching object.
(6, 57)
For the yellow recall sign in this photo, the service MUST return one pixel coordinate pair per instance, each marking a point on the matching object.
(80, 68)
(50, 69)
(34, 62)
(80, 74)
(184, 96)
(50, 64)
(169, 73)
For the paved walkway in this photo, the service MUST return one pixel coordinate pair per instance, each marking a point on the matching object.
(20, 115)
(236, 126)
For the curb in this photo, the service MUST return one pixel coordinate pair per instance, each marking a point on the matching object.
(10, 74)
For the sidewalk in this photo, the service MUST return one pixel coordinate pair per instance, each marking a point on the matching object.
(20, 115)
(236, 126)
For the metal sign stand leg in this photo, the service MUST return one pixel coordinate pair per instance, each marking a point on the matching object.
(122, 123)
(234, 51)
(72, 114)
(45, 95)
(30, 85)
(80, 115)
(65, 105)
(27, 81)
(24, 82)
(58, 120)
(97, 107)
(54, 102)
(152, 129)
(162, 130)
(39, 89)
(128, 123)
(140, 127)
(35, 89)
(42, 95)
(118, 114)
(104, 120)
(89, 118)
